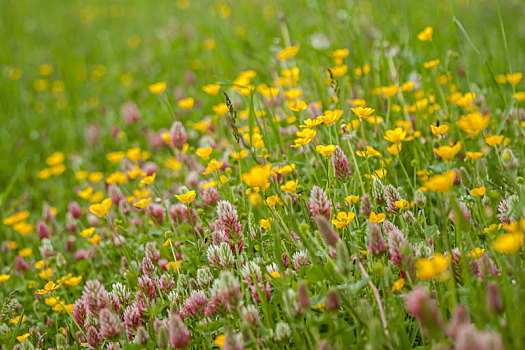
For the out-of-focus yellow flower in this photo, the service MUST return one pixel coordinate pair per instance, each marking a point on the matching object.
(17, 318)
(369, 151)
(211, 89)
(439, 130)
(288, 52)
(102, 208)
(4, 278)
(493, 140)
(55, 159)
(325, 151)
(377, 218)
(426, 34)
(352, 199)
(204, 153)
(448, 152)
(15, 218)
(143, 203)
(241, 155)
(157, 88)
(398, 285)
(186, 103)
(473, 123)
(514, 78)
(361, 112)
(25, 252)
(148, 180)
(474, 155)
(435, 266)
(397, 135)
(476, 253)
(441, 182)
(23, 228)
(117, 177)
(431, 64)
(330, 117)
(220, 340)
(87, 232)
(187, 197)
(49, 288)
(258, 176)
(265, 223)
(290, 186)
(213, 166)
(508, 243)
(479, 191)
(22, 337)
(173, 163)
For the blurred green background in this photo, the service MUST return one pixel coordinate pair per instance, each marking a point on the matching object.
(104, 53)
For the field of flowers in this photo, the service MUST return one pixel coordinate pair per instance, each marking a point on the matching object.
(262, 174)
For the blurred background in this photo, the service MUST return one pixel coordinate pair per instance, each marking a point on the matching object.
(67, 67)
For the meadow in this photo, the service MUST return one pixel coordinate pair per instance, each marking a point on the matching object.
(249, 174)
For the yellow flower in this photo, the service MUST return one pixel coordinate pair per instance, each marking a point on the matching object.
(258, 176)
(476, 253)
(173, 163)
(4, 278)
(134, 154)
(311, 123)
(407, 86)
(17, 318)
(265, 223)
(479, 191)
(49, 288)
(204, 153)
(115, 157)
(174, 264)
(273, 275)
(73, 281)
(493, 140)
(426, 34)
(514, 78)
(186, 103)
(272, 201)
(213, 166)
(148, 180)
(473, 123)
(241, 155)
(288, 52)
(157, 88)
(220, 109)
(325, 151)
(86, 193)
(401, 204)
(397, 135)
(318, 306)
(102, 208)
(25, 252)
(435, 266)
(187, 197)
(398, 285)
(377, 218)
(431, 64)
(368, 152)
(448, 152)
(95, 239)
(363, 112)
(343, 219)
(474, 155)
(439, 130)
(211, 89)
(290, 186)
(508, 243)
(441, 182)
(220, 340)
(46, 273)
(117, 177)
(389, 91)
(55, 159)
(304, 137)
(352, 199)
(23, 228)
(330, 117)
(394, 149)
(13, 219)
(143, 203)
(22, 337)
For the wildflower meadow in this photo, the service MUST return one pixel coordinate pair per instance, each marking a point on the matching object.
(262, 174)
